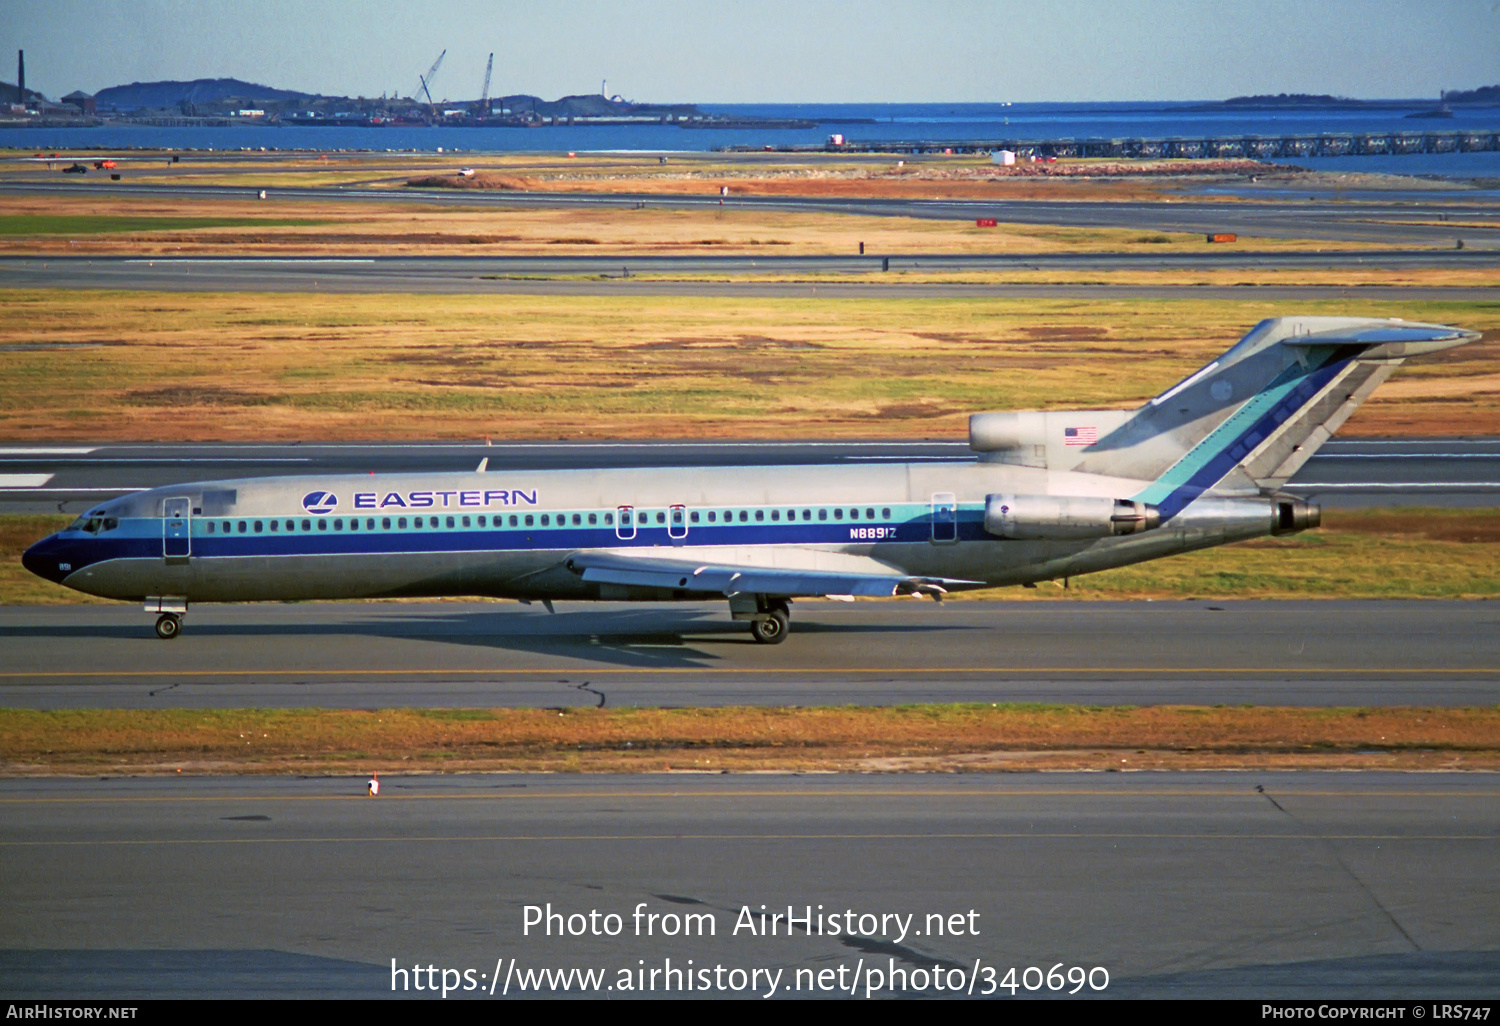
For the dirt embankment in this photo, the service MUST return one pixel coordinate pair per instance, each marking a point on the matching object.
(895, 180)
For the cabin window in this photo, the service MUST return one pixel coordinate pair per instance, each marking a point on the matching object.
(244, 527)
(593, 519)
(693, 517)
(338, 525)
(259, 527)
(728, 515)
(775, 514)
(385, 523)
(228, 528)
(661, 518)
(712, 516)
(838, 514)
(275, 525)
(354, 523)
(854, 514)
(609, 518)
(450, 521)
(869, 514)
(624, 519)
(545, 520)
(760, 515)
(512, 520)
(481, 522)
(822, 514)
(322, 525)
(210, 527)
(528, 519)
(577, 519)
(291, 525)
(466, 521)
(885, 513)
(401, 523)
(807, 514)
(307, 525)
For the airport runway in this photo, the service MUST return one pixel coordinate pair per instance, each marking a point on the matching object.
(44, 478)
(455, 654)
(1422, 220)
(619, 274)
(1247, 885)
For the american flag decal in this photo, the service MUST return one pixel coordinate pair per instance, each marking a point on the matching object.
(1080, 435)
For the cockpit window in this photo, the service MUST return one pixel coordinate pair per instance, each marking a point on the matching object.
(94, 524)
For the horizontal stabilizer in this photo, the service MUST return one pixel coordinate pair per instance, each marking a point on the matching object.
(1423, 336)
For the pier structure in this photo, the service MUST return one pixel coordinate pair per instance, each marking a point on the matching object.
(1258, 147)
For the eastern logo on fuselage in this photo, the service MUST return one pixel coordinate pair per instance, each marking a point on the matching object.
(425, 499)
(320, 502)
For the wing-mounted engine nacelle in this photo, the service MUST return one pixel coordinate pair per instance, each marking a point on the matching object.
(1066, 516)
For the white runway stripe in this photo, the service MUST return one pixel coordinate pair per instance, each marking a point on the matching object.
(24, 480)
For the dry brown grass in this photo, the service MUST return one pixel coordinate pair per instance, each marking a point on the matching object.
(925, 737)
(148, 366)
(366, 228)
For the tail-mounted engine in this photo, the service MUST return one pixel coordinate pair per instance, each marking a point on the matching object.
(1066, 516)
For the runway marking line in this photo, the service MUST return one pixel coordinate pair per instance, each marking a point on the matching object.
(643, 795)
(768, 670)
(494, 838)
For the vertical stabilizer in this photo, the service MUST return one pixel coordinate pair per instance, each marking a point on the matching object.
(1248, 420)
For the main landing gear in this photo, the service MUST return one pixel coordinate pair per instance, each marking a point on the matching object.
(769, 616)
(168, 626)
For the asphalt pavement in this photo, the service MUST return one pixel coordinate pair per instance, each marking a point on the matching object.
(70, 478)
(463, 654)
(1295, 886)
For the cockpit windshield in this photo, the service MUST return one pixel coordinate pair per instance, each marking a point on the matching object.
(94, 524)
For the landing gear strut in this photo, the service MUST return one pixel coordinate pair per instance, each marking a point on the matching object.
(770, 628)
(168, 626)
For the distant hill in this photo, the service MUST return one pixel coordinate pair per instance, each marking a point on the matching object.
(1484, 94)
(1289, 100)
(137, 95)
(8, 93)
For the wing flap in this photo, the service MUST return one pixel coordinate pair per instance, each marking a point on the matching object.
(677, 574)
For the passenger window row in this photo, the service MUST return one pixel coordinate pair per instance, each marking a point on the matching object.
(713, 516)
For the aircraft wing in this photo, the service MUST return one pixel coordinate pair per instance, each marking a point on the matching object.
(716, 577)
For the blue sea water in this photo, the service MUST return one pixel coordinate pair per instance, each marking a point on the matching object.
(858, 122)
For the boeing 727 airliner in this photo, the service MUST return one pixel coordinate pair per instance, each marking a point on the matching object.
(1047, 495)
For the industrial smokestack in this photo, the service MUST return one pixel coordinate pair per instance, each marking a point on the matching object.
(21, 76)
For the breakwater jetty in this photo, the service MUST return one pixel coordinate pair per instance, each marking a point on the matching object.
(1255, 147)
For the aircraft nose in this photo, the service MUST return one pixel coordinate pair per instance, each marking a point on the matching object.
(41, 559)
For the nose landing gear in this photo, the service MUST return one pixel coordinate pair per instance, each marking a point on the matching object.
(170, 610)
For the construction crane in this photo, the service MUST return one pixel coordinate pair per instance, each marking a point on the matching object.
(484, 94)
(426, 79)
